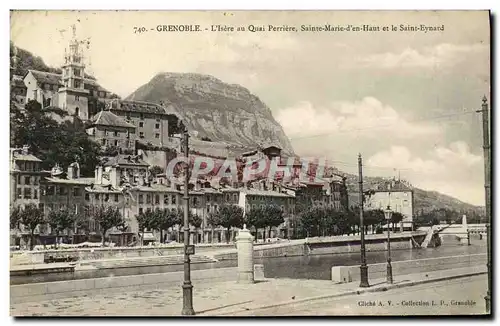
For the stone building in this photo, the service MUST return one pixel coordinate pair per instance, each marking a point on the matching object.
(25, 177)
(394, 193)
(108, 129)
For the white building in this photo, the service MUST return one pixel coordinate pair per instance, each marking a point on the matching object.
(396, 194)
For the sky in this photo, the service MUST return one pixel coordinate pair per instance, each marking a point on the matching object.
(405, 100)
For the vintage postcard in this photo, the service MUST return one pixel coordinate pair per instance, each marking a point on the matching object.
(250, 163)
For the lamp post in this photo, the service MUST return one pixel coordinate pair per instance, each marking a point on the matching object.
(388, 216)
(187, 287)
(363, 268)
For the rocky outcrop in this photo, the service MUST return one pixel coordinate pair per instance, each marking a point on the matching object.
(222, 112)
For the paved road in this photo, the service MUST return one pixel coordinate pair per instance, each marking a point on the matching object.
(459, 296)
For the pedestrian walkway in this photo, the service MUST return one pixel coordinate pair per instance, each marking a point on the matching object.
(223, 298)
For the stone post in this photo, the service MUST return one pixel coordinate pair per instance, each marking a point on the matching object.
(244, 243)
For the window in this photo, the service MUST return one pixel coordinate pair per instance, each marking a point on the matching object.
(42, 207)
(116, 198)
(140, 210)
(27, 180)
(157, 199)
(50, 190)
(20, 193)
(106, 197)
(116, 142)
(157, 126)
(148, 199)
(165, 199)
(128, 116)
(141, 135)
(76, 84)
(116, 134)
(157, 136)
(141, 199)
(35, 194)
(77, 72)
(105, 132)
(96, 196)
(141, 116)
(174, 198)
(235, 197)
(104, 141)
(87, 196)
(76, 192)
(77, 98)
(62, 191)
(35, 181)
(27, 193)
(141, 124)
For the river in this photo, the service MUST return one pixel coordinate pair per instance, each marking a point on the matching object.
(300, 267)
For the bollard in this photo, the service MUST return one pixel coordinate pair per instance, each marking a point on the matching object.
(244, 243)
(258, 272)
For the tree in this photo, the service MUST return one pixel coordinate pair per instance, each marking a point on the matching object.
(228, 216)
(195, 221)
(167, 219)
(60, 220)
(52, 141)
(256, 218)
(31, 217)
(106, 217)
(310, 221)
(15, 216)
(146, 220)
(396, 218)
(373, 217)
(273, 216)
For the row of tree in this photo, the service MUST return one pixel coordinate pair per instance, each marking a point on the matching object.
(31, 216)
(326, 221)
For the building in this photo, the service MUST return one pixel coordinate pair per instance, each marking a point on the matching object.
(110, 130)
(81, 96)
(25, 177)
(394, 193)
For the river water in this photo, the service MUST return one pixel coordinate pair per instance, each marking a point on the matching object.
(300, 267)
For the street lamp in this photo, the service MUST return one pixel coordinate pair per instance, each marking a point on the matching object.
(187, 286)
(388, 216)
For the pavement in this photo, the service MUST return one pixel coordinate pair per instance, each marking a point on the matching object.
(228, 298)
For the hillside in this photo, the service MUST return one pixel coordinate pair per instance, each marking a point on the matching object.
(222, 112)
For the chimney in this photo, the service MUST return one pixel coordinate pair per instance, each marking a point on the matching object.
(25, 150)
(69, 174)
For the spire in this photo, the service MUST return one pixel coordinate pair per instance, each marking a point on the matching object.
(73, 27)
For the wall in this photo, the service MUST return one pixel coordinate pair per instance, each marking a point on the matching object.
(400, 201)
(75, 288)
(345, 274)
(37, 257)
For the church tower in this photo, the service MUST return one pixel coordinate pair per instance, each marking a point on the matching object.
(73, 97)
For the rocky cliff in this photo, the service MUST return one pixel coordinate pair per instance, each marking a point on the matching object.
(223, 112)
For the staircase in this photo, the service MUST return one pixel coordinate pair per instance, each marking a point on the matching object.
(428, 237)
(147, 261)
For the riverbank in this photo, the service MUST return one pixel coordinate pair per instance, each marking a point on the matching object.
(221, 298)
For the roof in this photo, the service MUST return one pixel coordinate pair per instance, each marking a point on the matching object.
(47, 77)
(56, 79)
(125, 160)
(26, 157)
(103, 189)
(154, 188)
(256, 192)
(78, 181)
(138, 106)
(107, 118)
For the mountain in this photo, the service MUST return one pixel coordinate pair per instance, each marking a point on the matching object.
(222, 112)
(230, 114)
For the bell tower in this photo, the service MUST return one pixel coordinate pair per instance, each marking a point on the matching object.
(73, 96)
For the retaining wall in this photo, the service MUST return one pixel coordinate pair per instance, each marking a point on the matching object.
(75, 288)
(345, 274)
(38, 257)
